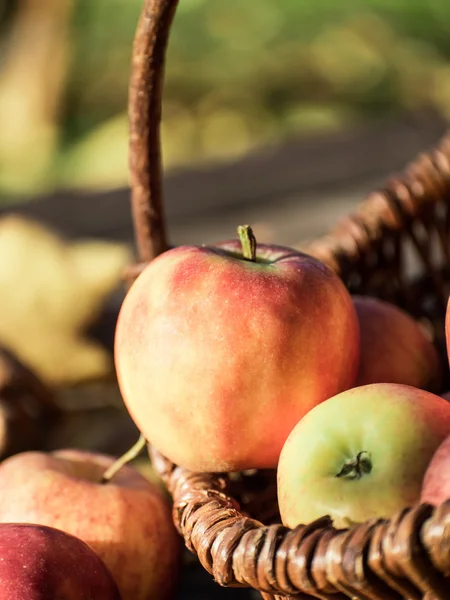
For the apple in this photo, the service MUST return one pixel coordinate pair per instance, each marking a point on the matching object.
(39, 563)
(394, 347)
(447, 329)
(436, 483)
(361, 454)
(215, 347)
(126, 521)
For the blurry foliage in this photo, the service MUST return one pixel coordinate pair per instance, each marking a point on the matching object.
(241, 74)
(45, 323)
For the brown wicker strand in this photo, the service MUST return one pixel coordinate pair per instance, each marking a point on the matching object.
(146, 84)
(377, 560)
(435, 536)
(404, 199)
(413, 557)
(354, 565)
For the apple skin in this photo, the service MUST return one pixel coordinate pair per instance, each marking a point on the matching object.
(394, 347)
(38, 563)
(436, 483)
(399, 426)
(127, 521)
(212, 351)
(447, 329)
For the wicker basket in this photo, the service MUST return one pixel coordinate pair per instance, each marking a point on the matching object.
(231, 521)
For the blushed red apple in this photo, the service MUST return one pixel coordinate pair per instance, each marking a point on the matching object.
(360, 455)
(394, 347)
(126, 521)
(218, 348)
(436, 483)
(43, 563)
(447, 329)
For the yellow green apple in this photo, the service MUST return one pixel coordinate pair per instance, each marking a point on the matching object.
(361, 454)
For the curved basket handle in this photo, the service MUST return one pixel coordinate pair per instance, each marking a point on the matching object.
(144, 111)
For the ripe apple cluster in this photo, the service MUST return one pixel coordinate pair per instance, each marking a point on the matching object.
(384, 444)
(234, 357)
(246, 355)
(64, 534)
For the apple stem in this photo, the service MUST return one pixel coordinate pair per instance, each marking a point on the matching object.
(129, 455)
(248, 242)
(355, 468)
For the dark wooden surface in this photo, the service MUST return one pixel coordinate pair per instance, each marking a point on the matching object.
(290, 193)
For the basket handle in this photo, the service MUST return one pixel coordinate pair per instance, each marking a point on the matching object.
(344, 249)
(144, 113)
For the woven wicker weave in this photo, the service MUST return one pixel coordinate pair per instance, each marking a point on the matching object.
(395, 246)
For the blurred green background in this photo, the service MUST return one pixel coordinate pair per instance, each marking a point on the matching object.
(240, 75)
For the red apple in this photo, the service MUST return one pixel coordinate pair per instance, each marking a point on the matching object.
(394, 347)
(436, 483)
(39, 563)
(217, 347)
(360, 455)
(447, 329)
(126, 521)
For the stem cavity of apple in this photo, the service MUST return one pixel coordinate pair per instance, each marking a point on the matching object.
(248, 242)
(129, 455)
(355, 468)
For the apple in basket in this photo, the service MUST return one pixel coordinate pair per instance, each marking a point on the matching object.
(394, 347)
(436, 483)
(39, 563)
(217, 346)
(447, 329)
(361, 454)
(126, 521)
